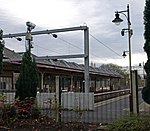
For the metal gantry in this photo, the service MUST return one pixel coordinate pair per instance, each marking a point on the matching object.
(86, 47)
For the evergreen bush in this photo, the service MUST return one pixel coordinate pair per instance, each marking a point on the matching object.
(26, 85)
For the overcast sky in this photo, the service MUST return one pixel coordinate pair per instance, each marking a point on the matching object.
(96, 14)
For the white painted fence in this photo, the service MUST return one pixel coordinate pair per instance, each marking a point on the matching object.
(69, 100)
(77, 101)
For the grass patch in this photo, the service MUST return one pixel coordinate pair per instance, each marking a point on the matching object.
(131, 123)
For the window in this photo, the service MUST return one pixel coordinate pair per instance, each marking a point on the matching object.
(5, 83)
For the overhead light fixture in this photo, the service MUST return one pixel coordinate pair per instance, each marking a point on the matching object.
(124, 53)
(117, 20)
(19, 39)
(54, 35)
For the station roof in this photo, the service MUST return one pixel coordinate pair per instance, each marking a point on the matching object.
(11, 56)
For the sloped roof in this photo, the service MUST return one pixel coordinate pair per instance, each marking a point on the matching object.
(13, 56)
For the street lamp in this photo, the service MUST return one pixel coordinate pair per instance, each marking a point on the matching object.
(117, 21)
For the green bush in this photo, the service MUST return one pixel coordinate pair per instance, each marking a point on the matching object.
(28, 80)
(131, 123)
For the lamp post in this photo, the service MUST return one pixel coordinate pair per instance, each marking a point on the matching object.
(117, 21)
(29, 37)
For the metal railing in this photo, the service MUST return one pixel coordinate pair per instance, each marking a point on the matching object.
(111, 94)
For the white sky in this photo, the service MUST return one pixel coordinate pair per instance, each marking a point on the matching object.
(96, 14)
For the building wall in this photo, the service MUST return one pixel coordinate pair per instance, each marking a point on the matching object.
(70, 81)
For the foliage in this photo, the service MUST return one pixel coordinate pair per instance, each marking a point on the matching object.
(131, 123)
(118, 69)
(24, 107)
(28, 117)
(2, 98)
(26, 85)
(114, 67)
(147, 21)
(8, 114)
(44, 123)
(7, 111)
(146, 90)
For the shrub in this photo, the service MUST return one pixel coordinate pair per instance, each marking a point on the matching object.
(28, 80)
(146, 90)
(24, 107)
(131, 123)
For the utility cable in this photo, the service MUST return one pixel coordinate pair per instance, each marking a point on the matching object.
(46, 49)
(69, 43)
(104, 45)
(76, 46)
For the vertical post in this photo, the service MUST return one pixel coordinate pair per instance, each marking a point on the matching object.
(86, 59)
(58, 100)
(42, 75)
(29, 39)
(1, 51)
(130, 65)
(143, 75)
(63, 79)
(135, 92)
(71, 84)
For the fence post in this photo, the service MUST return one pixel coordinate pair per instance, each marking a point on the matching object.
(135, 92)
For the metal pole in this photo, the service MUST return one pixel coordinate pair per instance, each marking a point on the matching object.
(86, 59)
(130, 66)
(29, 39)
(58, 100)
(46, 31)
(135, 92)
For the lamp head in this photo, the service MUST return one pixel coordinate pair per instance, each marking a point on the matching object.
(54, 35)
(19, 39)
(124, 54)
(117, 20)
(122, 32)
